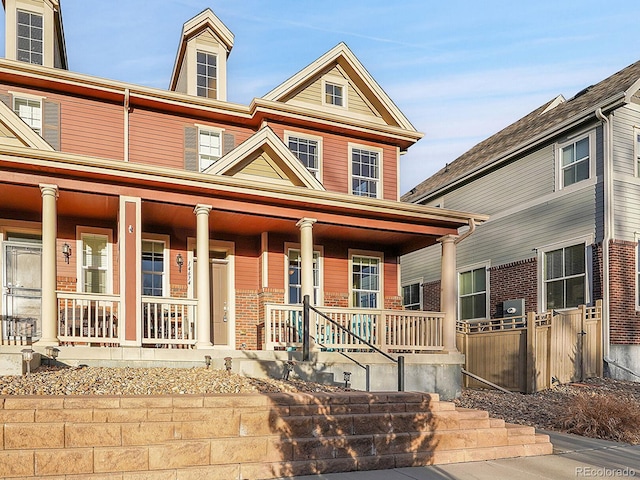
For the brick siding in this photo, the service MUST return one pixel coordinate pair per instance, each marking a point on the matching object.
(624, 319)
(512, 281)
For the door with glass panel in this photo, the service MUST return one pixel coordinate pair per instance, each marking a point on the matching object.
(22, 290)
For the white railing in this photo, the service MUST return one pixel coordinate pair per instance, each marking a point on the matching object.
(88, 318)
(168, 321)
(388, 330)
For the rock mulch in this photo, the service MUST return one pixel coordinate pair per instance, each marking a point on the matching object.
(146, 381)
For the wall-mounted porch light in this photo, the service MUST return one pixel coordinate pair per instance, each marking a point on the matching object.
(66, 251)
(179, 262)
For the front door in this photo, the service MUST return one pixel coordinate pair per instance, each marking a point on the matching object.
(219, 299)
(22, 290)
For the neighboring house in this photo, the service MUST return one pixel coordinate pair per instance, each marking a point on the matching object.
(561, 186)
(125, 209)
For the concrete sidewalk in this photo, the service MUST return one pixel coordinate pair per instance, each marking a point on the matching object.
(573, 457)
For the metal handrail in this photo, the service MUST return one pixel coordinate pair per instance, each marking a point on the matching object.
(307, 307)
(364, 367)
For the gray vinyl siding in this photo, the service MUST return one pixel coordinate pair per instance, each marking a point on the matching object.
(626, 186)
(518, 182)
(514, 237)
(423, 264)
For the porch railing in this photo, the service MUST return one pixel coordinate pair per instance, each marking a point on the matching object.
(88, 318)
(388, 330)
(168, 321)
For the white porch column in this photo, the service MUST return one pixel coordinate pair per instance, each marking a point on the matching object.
(449, 291)
(49, 310)
(306, 256)
(202, 272)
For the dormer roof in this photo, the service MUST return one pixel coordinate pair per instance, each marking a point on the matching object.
(366, 97)
(264, 157)
(205, 21)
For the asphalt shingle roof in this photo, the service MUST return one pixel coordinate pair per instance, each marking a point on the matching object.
(528, 127)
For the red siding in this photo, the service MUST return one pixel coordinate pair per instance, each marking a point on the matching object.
(247, 264)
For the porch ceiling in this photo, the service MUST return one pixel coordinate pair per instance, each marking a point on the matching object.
(168, 217)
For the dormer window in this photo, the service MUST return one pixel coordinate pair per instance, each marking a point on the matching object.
(333, 94)
(207, 83)
(29, 37)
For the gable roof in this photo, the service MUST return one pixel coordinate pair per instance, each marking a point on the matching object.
(15, 132)
(544, 122)
(203, 21)
(279, 160)
(342, 56)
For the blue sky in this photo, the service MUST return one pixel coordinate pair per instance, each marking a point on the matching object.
(459, 70)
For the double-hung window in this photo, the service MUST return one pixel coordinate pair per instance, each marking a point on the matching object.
(366, 281)
(207, 75)
(365, 172)
(411, 296)
(209, 147)
(472, 291)
(307, 151)
(565, 277)
(95, 263)
(29, 37)
(30, 111)
(294, 277)
(153, 268)
(575, 162)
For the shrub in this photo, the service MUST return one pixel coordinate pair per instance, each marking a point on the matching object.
(602, 416)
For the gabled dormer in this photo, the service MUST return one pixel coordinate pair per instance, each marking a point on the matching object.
(201, 62)
(338, 84)
(34, 33)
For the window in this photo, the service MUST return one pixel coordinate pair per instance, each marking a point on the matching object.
(294, 275)
(365, 282)
(333, 94)
(472, 288)
(30, 111)
(94, 263)
(153, 268)
(575, 165)
(308, 152)
(207, 77)
(411, 296)
(209, 148)
(29, 37)
(365, 172)
(565, 277)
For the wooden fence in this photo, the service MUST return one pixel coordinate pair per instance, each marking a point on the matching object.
(528, 354)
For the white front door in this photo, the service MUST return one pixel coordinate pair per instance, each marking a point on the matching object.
(22, 290)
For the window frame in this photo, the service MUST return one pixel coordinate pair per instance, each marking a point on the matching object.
(338, 82)
(211, 131)
(166, 266)
(410, 283)
(380, 292)
(371, 149)
(487, 286)
(81, 232)
(586, 243)
(559, 148)
(198, 75)
(30, 38)
(318, 289)
(18, 97)
(288, 134)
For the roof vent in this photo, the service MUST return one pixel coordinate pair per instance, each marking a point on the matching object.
(582, 92)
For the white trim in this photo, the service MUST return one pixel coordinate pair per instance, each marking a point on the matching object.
(487, 286)
(586, 241)
(82, 230)
(559, 146)
(367, 254)
(29, 96)
(369, 148)
(264, 256)
(316, 249)
(212, 131)
(307, 136)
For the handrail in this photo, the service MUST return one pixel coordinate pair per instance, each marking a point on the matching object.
(364, 367)
(306, 307)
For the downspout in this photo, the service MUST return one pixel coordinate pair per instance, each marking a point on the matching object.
(472, 228)
(607, 180)
(126, 124)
